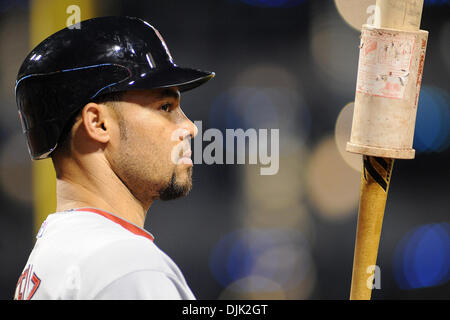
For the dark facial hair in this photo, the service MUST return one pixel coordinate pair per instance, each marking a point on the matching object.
(175, 190)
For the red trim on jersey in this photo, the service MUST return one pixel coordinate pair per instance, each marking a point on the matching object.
(127, 225)
(36, 282)
(20, 283)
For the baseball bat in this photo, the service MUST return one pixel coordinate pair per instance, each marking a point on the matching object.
(383, 123)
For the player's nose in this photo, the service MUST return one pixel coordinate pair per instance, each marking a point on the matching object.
(189, 129)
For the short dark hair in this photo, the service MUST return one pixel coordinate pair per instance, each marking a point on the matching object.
(65, 137)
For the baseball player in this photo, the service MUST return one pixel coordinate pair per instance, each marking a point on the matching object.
(103, 102)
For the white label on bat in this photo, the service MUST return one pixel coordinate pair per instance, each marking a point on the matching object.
(384, 63)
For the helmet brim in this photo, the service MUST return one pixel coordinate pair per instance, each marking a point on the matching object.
(183, 78)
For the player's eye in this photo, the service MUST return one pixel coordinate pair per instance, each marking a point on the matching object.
(166, 107)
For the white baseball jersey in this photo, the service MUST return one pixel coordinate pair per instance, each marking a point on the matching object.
(90, 254)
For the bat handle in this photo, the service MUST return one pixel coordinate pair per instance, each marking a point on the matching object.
(375, 179)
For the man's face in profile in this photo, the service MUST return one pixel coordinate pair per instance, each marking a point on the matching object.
(149, 148)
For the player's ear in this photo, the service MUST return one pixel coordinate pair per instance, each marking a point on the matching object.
(97, 121)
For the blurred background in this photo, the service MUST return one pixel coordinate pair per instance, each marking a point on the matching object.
(280, 64)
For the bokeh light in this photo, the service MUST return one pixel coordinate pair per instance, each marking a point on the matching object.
(433, 120)
(422, 257)
(334, 48)
(356, 12)
(264, 97)
(279, 90)
(224, 113)
(273, 3)
(436, 2)
(333, 187)
(444, 44)
(342, 132)
(244, 107)
(8, 5)
(277, 200)
(255, 260)
(11, 57)
(15, 169)
(251, 283)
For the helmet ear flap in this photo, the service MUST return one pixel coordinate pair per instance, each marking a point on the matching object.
(41, 140)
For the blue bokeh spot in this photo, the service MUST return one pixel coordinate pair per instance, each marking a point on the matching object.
(433, 120)
(422, 257)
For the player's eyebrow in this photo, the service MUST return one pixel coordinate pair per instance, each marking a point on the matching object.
(169, 93)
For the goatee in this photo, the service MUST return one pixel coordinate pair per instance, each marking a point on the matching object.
(175, 190)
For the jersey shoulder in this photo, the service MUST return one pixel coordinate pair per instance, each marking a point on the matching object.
(88, 252)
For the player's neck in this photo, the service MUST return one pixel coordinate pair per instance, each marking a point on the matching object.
(91, 186)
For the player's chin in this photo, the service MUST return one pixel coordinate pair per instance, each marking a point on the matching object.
(179, 186)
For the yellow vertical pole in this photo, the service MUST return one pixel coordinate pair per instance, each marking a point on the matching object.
(47, 17)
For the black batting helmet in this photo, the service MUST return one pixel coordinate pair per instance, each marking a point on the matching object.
(97, 56)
